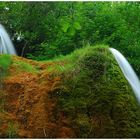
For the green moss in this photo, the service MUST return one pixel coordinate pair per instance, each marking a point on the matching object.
(93, 94)
(5, 61)
(95, 88)
(12, 130)
(23, 66)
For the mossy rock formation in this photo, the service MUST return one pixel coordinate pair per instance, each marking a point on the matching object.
(82, 95)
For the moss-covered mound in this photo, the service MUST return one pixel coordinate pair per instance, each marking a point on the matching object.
(82, 95)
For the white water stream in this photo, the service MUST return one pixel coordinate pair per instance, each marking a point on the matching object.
(128, 72)
(6, 46)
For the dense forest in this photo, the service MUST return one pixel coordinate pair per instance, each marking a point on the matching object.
(67, 81)
(44, 30)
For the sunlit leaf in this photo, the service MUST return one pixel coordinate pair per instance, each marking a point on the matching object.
(77, 25)
(65, 27)
(71, 31)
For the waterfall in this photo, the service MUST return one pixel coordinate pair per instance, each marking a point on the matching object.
(128, 72)
(6, 46)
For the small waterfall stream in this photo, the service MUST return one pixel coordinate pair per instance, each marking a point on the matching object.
(128, 72)
(6, 46)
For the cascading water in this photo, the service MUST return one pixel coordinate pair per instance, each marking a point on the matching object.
(6, 46)
(128, 72)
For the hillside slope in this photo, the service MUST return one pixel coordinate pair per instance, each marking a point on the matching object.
(82, 95)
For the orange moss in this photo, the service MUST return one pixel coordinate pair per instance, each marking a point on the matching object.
(28, 100)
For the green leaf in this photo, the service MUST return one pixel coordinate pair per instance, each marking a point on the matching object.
(77, 25)
(71, 31)
(65, 26)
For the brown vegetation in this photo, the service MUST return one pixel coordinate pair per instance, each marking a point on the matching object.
(29, 104)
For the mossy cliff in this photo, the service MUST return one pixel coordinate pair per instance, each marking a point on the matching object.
(82, 95)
